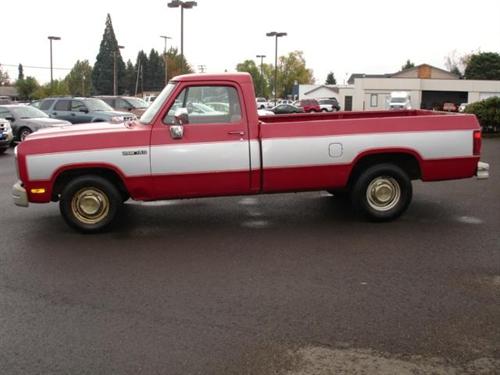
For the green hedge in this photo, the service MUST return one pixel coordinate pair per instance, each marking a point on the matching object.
(487, 112)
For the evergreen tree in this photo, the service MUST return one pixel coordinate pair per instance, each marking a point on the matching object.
(20, 76)
(408, 65)
(102, 74)
(130, 78)
(484, 65)
(330, 79)
(153, 70)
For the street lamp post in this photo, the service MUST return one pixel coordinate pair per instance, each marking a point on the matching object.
(51, 38)
(276, 35)
(183, 5)
(115, 79)
(261, 57)
(165, 38)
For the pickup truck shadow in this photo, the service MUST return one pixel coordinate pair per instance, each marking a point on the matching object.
(263, 212)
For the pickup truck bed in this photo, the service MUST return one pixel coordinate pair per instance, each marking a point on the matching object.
(181, 149)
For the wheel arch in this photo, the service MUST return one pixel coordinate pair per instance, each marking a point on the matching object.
(67, 173)
(407, 159)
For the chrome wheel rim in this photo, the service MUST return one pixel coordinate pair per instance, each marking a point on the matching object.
(383, 193)
(90, 205)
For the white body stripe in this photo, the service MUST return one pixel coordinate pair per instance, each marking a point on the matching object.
(42, 167)
(282, 152)
(255, 155)
(200, 157)
(245, 155)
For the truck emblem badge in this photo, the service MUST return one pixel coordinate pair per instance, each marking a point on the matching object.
(134, 153)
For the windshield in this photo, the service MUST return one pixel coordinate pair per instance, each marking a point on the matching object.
(137, 103)
(27, 112)
(398, 100)
(147, 117)
(94, 104)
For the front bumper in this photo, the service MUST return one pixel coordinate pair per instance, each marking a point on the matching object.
(483, 170)
(19, 195)
(6, 139)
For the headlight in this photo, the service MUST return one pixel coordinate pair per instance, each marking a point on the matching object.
(117, 119)
(6, 127)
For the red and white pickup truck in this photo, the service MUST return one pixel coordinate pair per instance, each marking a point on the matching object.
(202, 137)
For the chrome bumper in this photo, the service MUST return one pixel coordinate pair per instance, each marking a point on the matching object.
(483, 171)
(19, 195)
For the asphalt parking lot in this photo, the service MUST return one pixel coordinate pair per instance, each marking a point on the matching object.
(291, 284)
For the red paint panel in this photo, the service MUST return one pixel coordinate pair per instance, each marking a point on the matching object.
(448, 169)
(323, 125)
(306, 178)
(198, 185)
(137, 136)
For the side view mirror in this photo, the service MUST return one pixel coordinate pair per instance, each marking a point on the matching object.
(10, 118)
(181, 117)
(84, 110)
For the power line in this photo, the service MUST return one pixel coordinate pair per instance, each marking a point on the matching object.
(34, 67)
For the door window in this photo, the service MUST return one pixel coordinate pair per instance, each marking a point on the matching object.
(77, 105)
(62, 105)
(46, 104)
(207, 105)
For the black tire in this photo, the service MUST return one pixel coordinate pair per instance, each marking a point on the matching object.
(382, 192)
(23, 133)
(90, 203)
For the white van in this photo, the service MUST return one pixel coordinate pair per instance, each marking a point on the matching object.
(399, 100)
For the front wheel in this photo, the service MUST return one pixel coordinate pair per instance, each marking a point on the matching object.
(382, 192)
(23, 133)
(90, 203)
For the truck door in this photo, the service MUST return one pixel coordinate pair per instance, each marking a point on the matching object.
(209, 153)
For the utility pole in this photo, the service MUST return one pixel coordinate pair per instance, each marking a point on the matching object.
(276, 35)
(165, 38)
(51, 38)
(183, 5)
(261, 73)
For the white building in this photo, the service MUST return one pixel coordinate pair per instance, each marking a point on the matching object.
(428, 86)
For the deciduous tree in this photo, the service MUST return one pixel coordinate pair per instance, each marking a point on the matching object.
(293, 70)
(79, 79)
(27, 87)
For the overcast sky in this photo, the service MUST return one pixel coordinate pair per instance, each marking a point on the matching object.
(341, 36)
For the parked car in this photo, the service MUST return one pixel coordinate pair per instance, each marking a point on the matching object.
(6, 135)
(83, 110)
(309, 105)
(262, 103)
(450, 107)
(282, 109)
(125, 103)
(329, 105)
(265, 112)
(399, 100)
(149, 99)
(285, 101)
(26, 120)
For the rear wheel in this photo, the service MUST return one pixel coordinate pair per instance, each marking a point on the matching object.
(382, 192)
(90, 203)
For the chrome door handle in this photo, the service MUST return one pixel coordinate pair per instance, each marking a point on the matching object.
(236, 132)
